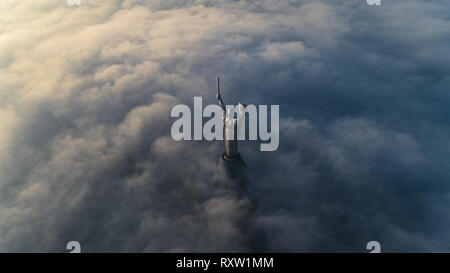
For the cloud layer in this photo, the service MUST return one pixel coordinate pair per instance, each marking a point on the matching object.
(85, 146)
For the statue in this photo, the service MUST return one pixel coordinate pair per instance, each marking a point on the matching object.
(230, 126)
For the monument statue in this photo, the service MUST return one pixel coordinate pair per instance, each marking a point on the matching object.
(233, 162)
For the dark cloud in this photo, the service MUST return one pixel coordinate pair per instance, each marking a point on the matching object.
(85, 146)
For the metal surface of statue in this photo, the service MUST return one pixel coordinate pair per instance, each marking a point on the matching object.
(231, 163)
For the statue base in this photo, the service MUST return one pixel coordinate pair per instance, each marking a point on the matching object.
(234, 167)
